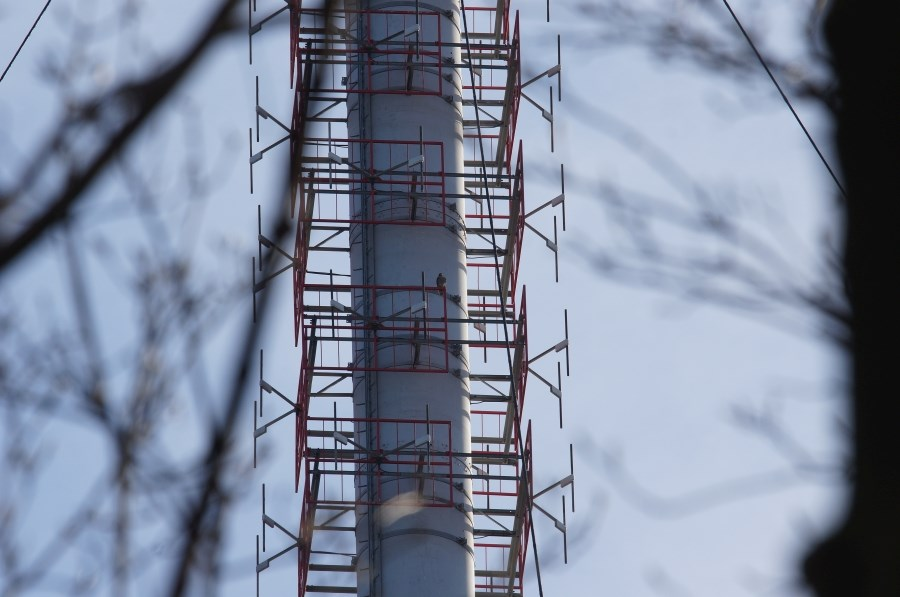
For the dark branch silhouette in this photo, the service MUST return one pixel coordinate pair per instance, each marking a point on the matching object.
(119, 114)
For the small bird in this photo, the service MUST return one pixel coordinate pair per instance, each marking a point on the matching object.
(441, 282)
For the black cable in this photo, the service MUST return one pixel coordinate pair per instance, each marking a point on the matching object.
(27, 35)
(785, 98)
(513, 397)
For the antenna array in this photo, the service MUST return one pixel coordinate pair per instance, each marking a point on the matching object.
(381, 195)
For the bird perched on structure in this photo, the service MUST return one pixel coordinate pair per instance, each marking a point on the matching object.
(441, 282)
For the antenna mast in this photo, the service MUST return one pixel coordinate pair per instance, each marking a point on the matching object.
(413, 458)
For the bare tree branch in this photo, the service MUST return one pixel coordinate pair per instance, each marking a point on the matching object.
(118, 114)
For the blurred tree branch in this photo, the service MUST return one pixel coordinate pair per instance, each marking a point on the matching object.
(121, 393)
(702, 499)
(723, 248)
(860, 556)
(116, 115)
(727, 249)
(701, 33)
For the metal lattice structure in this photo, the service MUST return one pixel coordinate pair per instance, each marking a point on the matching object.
(412, 453)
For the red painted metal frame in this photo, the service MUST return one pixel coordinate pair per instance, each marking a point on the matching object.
(510, 413)
(317, 172)
(521, 342)
(475, 25)
(294, 7)
(502, 201)
(515, 58)
(310, 354)
(515, 217)
(525, 532)
(298, 120)
(301, 258)
(317, 459)
(381, 58)
(500, 79)
(306, 534)
(508, 455)
(519, 197)
(440, 457)
(515, 499)
(428, 183)
(498, 85)
(360, 323)
(432, 181)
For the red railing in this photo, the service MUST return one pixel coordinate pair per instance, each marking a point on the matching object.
(405, 458)
(405, 326)
(511, 211)
(516, 89)
(400, 52)
(525, 532)
(375, 181)
(353, 181)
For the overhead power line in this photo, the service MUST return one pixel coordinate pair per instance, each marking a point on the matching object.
(27, 35)
(785, 98)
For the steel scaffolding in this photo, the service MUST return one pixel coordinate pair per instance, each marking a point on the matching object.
(350, 328)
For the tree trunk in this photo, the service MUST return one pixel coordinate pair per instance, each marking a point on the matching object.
(862, 557)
